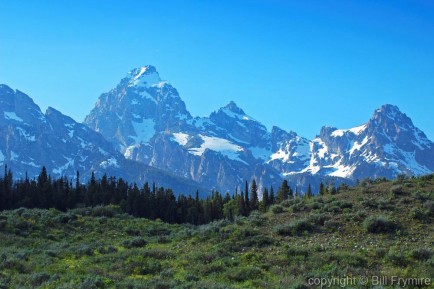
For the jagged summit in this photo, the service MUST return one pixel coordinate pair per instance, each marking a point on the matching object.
(389, 114)
(144, 76)
(232, 106)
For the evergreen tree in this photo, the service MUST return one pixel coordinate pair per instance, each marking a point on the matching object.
(297, 193)
(309, 192)
(272, 197)
(321, 189)
(283, 192)
(254, 202)
(265, 202)
(231, 210)
(246, 199)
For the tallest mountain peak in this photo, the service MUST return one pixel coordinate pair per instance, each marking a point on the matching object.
(143, 76)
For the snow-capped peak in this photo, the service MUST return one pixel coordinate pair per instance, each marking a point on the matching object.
(145, 76)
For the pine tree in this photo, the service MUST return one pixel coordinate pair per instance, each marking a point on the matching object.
(272, 197)
(283, 192)
(309, 192)
(321, 189)
(254, 202)
(246, 199)
(263, 206)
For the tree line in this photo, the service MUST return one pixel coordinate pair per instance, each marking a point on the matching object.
(148, 201)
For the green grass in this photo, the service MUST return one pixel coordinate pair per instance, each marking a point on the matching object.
(382, 228)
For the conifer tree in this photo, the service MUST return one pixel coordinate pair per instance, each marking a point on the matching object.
(321, 189)
(246, 199)
(263, 206)
(272, 197)
(254, 202)
(283, 192)
(309, 192)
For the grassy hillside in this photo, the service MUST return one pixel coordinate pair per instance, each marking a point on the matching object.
(379, 228)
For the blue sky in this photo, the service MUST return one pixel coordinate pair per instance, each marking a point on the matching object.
(295, 64)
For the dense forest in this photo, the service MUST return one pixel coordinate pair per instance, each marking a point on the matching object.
(149, 201)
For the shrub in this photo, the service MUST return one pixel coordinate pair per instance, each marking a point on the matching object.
(158, 230)
(37, 279)
(295, 251)
(429, 208)
(379, 225)
(83, 250)
(157, 254)
(92, 282)
(418, 214)
(256, 218)
(151, 267)
(132, 231)
(136, 242)
(295, 228)
(107, 250)
(257, 241)
(319, 219)
(277, 209)
(65, 218)
(397, 257)
(241, 274)
(349, 259)
(106, 211)
(342, 204)
(359, 216)
(332, 225)
(421, 254)
(396, 190)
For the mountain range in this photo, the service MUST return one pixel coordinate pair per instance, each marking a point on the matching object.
(142, 131)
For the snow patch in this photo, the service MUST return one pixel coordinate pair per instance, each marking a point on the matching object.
(220, 145)
(358, 130)
(30, 164)
(14, 156)
(342, 171)
(26, 135)
(144, 130)
(232, 114)
(355, 130)
(144, 79)
(111, 162)
(338, 133)
(103, 152)
(280, 155)
(323, 150)
(129, 152)
(2, 156)
(60, 170)
(357, 146)
(181, 138)
(260, 153)
(12, 116)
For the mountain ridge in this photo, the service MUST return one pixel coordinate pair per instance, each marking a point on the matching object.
(240, 141)
(146, 121)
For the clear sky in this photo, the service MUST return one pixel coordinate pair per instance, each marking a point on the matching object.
(295, 64)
